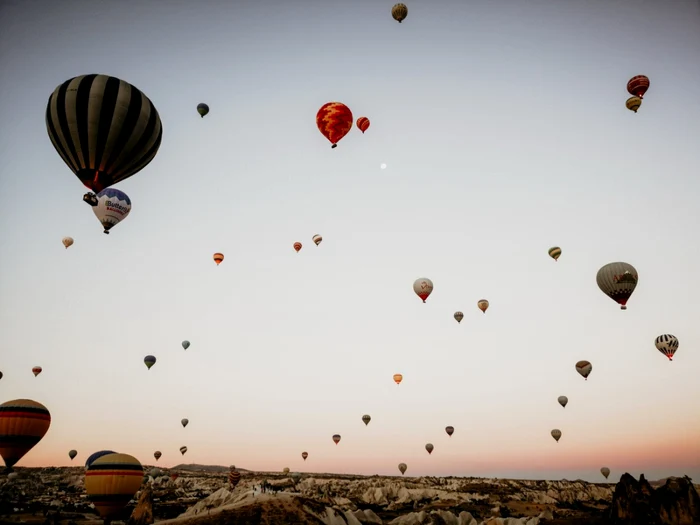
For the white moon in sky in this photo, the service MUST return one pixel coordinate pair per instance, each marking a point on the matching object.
(383, 166)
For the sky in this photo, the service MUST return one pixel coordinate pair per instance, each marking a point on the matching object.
(504, 132)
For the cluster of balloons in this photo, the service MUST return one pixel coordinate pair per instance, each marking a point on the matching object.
(120, 139)
(636, 87)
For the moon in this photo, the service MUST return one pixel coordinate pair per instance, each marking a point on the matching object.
(382, 166)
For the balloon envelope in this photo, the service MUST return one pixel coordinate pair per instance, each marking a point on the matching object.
(334, 120)
(185, 344)
(104, 129)
(584, 368)
(111, 481)
(399, 12)
(402, 468)
(423, 287)
(23, 423)
(113, 206)
(72, 454)
(563, 400)
(667, 344)
(202, 109)
(96, 455)
(618, 281)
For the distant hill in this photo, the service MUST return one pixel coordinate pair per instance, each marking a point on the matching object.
(205, 468)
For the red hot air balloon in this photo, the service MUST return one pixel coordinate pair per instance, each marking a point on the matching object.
(334, 120)
(36, 370)
(297, 246)
(638, 85)
(363, 124)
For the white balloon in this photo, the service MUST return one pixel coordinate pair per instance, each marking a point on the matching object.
(113, 206)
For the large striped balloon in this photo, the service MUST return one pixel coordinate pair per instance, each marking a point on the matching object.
(111, 481)
(23, 423)
(96, 455)
(334, 120)
(104, 129)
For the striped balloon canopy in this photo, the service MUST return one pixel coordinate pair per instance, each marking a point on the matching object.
(23, 423)
(104, 129)
(111, 481)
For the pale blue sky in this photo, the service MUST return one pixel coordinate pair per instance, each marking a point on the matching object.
(505, 132)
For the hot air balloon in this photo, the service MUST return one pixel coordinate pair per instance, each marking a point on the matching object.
(218, 257)
(618, 280)
(399, 12)
(398, 378)
(72, 454)
(554, 252)
(605, 471)
(157, 454)
(317, 239)
(459, 316)
(556, 434)
(184, 422)
(423, 287)
(234, 477)
(633, 103)
(150, 361)
(67, 241)
(304, 455)
(113, 206)
(563, 400)
(483, 305)
(402, 468)
(429, 447)
(296, 476)
(362, 124)
(111, 481)
(584, 368)
(334, 120)
(638, 85)
(0, 375)
(185, 344)
(36, 370)
(202, 109)
(667, 344)
(297, 246)
(183, 449)
(285, 470)
(336, 438)
(104, 129)
(450, 430)
(366, 419)
(96, 455)
(23, 423)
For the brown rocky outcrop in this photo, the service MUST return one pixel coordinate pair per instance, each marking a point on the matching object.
(637, 503)
(143, 512)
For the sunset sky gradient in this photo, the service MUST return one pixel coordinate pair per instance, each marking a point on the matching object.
(504, 129)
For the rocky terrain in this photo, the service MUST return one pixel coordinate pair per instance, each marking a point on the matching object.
(193, 495)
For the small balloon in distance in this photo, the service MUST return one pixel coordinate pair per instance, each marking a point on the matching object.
(382, 166)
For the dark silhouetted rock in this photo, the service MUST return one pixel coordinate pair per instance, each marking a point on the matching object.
(143, 512)
(637, 503)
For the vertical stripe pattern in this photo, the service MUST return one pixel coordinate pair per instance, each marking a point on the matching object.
(23, 423)
(104, 129)
(399, 12)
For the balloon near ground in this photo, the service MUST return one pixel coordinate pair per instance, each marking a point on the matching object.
(23, 423)
(111, 481)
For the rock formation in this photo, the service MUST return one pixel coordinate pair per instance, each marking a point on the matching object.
(637, 503)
